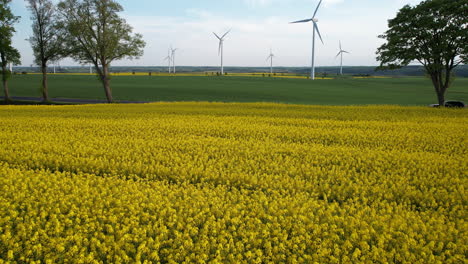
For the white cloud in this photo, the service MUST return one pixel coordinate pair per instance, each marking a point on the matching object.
(332, 2)
(258, 3)
(410, 2)
(252, 37)
(263, 3)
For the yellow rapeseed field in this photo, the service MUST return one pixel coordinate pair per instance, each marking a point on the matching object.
(233, 183)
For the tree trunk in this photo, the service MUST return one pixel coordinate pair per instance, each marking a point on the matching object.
(106, 83)
(5, 84)
(45, 89)
(438, 87)
(441, 98)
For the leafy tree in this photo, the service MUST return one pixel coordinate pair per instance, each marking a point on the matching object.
(47, 40)
(96, 34)
(434, 33)
(8, 54)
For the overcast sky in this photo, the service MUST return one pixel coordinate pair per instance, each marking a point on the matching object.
(256, 26)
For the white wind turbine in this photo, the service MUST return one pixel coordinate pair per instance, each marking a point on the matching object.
(169, 59)
(341, 53)
(221, 48)
(270, 57)
(314, 22)
(54, 64)
(11, 67)
(173, 51)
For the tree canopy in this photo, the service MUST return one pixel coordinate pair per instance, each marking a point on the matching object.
(433, 33)
(96, 34)
(47, 40)
(8, 54)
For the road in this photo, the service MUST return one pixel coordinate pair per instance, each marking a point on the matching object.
(70, 100)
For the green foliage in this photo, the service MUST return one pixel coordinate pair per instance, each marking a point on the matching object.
(96, 33)
(8, 54)
(434, 33)
(47, 40)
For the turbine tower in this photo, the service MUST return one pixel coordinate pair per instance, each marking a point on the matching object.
(270, 57)
(169, 60)
(316, 30)
(11, 67)
(173, 51)
(221, 48)
(341, 53)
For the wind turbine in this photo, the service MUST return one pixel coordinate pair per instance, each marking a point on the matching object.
(270, 57)
(169, 59)
(11, 67)
(341, 53)
(221, 48)
(173, 59)
(314, 22)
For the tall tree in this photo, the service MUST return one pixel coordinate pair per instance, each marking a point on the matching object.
(47, 39)
(8, 54)
(98, 35)
(433, 33)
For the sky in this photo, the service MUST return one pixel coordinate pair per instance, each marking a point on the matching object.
(257, 26)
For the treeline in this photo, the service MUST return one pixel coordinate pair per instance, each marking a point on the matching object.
(461, 71)
(88, 31)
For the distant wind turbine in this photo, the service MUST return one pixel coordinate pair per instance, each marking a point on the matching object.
(316, 29)
(270, 57)
(221, 48)
(341, 53)
(169, 60)
(173, 51)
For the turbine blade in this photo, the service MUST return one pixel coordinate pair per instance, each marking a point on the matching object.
(219, 49)
(225, 34)
(318, 31)
(315, 13)
(338, 54)
(340, 45)
(301, 21)
(346, 52)
(217, 36)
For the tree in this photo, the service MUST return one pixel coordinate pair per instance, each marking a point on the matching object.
(8, 54)
(433, 33)
(96, 34)
(47, 40)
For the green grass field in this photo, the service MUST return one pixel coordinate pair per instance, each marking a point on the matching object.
(401, 91)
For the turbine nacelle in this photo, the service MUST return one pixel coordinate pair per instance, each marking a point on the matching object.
(221, 41)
